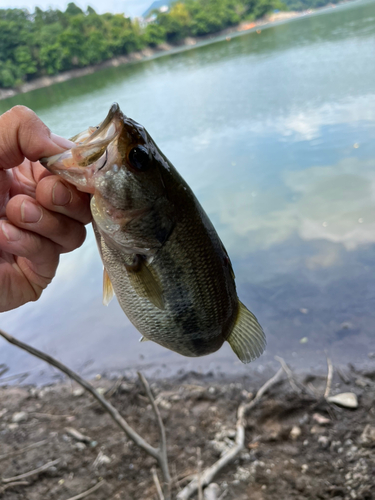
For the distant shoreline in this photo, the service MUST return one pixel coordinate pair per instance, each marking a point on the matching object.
(161, 50)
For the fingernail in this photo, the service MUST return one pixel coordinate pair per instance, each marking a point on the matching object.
(62, 142)
(10, 232)
(30, 212)
(61, 194)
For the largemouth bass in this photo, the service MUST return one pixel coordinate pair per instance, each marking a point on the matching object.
(162, 256)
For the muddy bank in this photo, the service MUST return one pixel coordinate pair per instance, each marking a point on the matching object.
(149, 53)
(297, 446)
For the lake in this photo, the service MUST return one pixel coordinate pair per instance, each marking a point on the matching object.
(275, 133)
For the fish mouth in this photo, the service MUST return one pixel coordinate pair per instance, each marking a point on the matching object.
(89, 155)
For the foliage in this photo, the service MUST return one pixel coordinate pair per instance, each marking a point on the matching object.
(51, 41)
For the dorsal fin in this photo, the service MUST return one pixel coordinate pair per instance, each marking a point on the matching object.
(108, 291)
(247, 338)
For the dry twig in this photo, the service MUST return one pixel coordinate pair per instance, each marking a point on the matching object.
(329, 378)
(199, 474)
(157, 483)
(23, 450)
(163, 457)
(158, 453)
(12, 485)
(88, 492)
(289, 373)
(209, 473)
(31, 472)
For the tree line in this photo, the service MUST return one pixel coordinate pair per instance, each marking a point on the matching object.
(49, 42)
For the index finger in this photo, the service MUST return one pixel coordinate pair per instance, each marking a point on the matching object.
(24, 135)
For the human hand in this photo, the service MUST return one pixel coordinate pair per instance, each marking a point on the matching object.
(41, 216)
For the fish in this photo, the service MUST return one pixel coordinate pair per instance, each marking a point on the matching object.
(162, 256)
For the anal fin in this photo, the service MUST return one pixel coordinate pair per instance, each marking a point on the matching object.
(108, 291)
(247, 338)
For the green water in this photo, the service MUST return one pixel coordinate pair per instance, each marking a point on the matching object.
(275, 133)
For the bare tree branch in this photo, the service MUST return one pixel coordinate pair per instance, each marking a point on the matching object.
(31, 472)
(199, 474)
(88, 492)
(163, 457)
(329, 378)
(289, 373)
(12, 485)
(209, 473)
(157, 484)
(158, 454)
(23, 450)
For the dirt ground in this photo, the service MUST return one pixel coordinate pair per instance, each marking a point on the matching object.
(298, 446)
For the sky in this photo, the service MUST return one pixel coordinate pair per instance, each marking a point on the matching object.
(129, 7)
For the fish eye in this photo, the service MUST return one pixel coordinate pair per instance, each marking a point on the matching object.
(139, 158)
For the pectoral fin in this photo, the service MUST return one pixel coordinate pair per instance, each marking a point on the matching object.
(144, 339)
(144, 282)
(108, 291)
(247, 338)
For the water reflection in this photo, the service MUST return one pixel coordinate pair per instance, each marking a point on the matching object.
(275, 134)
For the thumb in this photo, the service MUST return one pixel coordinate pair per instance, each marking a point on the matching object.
(24, 135)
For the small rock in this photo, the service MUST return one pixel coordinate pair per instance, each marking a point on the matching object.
(321, 419)
(345, 399)
(164, 404)
(304, 468)
(77, 393)
(12, 427)
(3, 412)
(212, 492)
(125, 387)
(304, 340)
(324, 442)
(295, 432)
(80, 446)
(301, 483)
(367, 437)
(20, 416)
(317, 429)
(362, 382)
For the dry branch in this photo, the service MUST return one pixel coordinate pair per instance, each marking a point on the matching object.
(31, 472)
(208, 474)
(163, 462)
(12, 485)
(329, 378)
(157, 483)
(88, 492)
(23, 450)
(158, 453)
(199, 474)
(289, 373)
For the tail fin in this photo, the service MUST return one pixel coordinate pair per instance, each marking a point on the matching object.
(247, 338)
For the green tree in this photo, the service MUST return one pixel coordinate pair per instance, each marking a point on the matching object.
(154, 34)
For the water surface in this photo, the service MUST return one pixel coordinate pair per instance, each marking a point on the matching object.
(275, 133)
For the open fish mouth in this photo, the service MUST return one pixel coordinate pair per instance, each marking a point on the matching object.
(89, 153)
